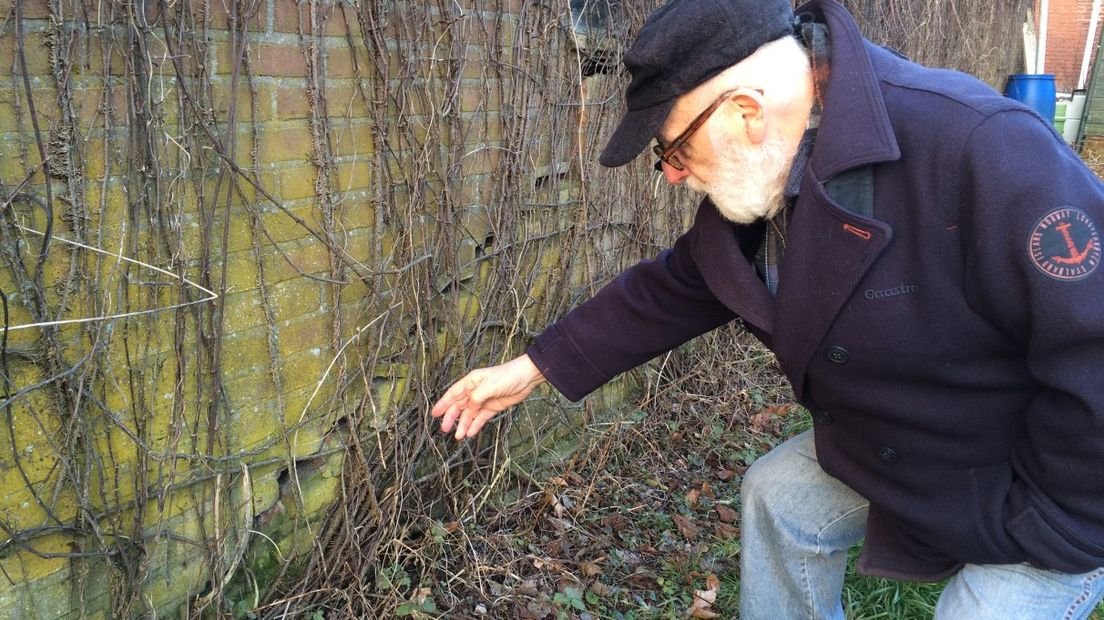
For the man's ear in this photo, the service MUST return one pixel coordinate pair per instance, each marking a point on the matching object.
(749, 105)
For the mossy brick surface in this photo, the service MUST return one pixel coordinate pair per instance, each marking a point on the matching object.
(302, 434)
(35, 440)
(293, 222)
(296, 298)
(290, 142)
(15, 168)
(7, 117)
(46, 597)
(160, 400)
(306, 332)
(296, 259)
(29, 569)
(356, 174)
(353, 139)
(298, 182)
(242, 311)
(36, 54)
(240, 101)
(356, 292)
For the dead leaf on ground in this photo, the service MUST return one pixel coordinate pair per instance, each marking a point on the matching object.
(726, 514)
(601, 589)
(534, 611)
(769, 420)
(704, 599)
(692, 498)
(724, 531)
(707, 491)
(686, 527)
(590, 569)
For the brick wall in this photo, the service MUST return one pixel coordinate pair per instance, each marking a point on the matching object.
(380, 193)
(1068, 26)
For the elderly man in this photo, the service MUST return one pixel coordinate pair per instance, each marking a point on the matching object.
(923, 257)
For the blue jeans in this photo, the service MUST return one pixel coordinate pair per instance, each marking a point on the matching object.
(799, 522)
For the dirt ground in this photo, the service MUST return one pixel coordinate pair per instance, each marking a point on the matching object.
(642, 522)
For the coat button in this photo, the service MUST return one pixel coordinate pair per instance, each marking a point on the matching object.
(887, 454)
(822, 416)
(838, 355)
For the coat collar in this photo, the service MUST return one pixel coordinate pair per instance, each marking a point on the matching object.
(855, 131)
(854, 128)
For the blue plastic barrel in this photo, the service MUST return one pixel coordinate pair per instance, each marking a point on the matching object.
(1035, 90)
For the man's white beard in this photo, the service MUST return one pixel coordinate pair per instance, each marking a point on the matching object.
(749, 182)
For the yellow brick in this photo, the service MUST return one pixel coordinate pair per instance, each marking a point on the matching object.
(266, 101)
(35, 52)
(35, 424)
(239, 236)
(114, 484)
(223, 99)
(27, 567)
(96, 65)
(242, 310)
(467, 307)
(354, 175)
(308, 368)
(306, 333)
(288, 144)
(298, 182)
(241, 278)
(318, 492)
(344, 101)
(357, 291)
(362, 244)
(281, 226)
(295, 298)
(388, 395)
(245, 352)
(478, 98)
(308, 256)
(353, 140)
(296, 436)
(7, 116)
(109, 206)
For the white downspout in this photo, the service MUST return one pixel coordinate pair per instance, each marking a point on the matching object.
(1044, 17)
(1090, 43)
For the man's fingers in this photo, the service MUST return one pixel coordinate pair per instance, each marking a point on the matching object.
(477, 424)
(449, 418)
(462, 424)
(458, 391)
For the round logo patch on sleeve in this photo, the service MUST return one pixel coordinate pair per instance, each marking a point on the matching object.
(1065, 244)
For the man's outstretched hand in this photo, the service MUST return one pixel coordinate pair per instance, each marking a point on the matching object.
(482, 394)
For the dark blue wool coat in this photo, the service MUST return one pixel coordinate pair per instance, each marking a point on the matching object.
(950, 347)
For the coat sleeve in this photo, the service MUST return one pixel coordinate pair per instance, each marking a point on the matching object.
(647, 310)
(1033, 269)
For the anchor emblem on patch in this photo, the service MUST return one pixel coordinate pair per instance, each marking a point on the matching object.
(1065, 244)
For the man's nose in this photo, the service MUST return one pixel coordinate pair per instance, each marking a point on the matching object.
(673, 175)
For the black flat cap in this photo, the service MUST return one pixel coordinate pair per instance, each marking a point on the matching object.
(682, 45)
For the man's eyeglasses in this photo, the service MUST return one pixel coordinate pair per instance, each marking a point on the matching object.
(669, 154)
